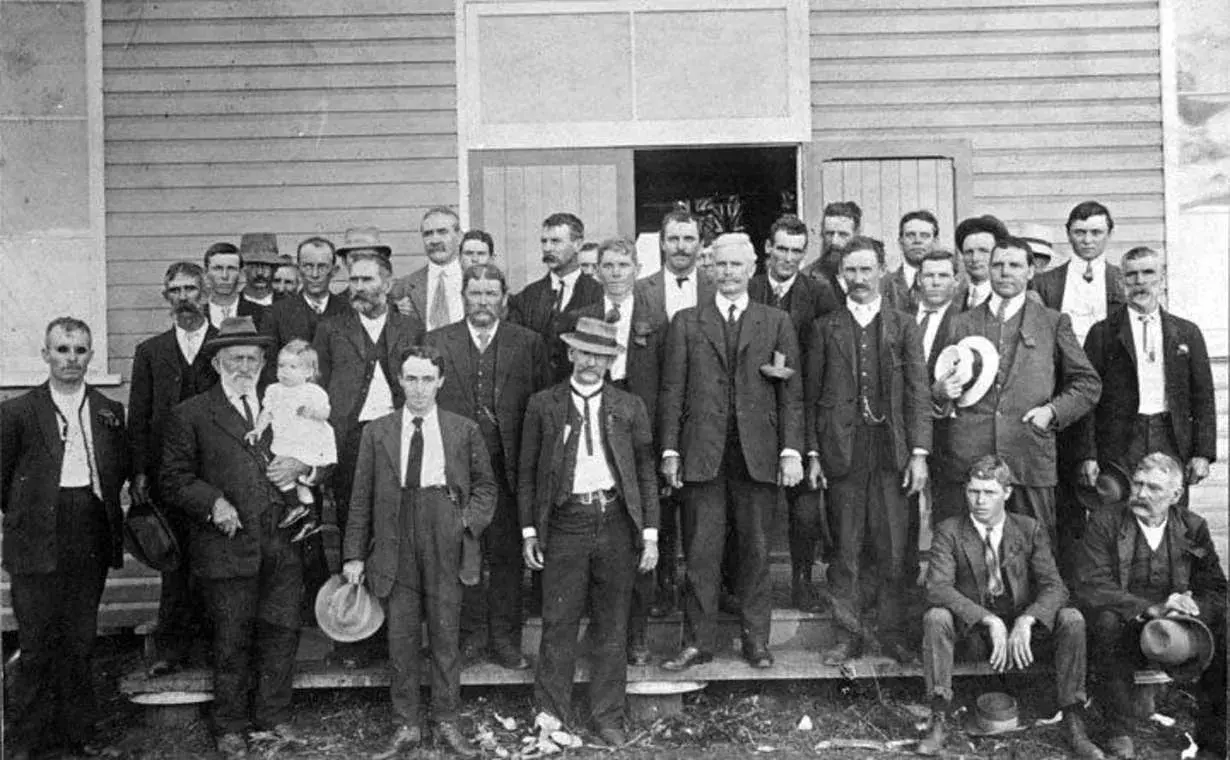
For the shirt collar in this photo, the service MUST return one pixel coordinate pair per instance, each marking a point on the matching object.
(1078, 266)
(910, 273)
(724, 303)
(625, 306)
(429, 420)
(373, 321)
(68, 400)
(873, 307)
(323, 301)
(1014, 304)
(785, 285)
(584, 390)
(233, 395)
(939, 310)
(448, 270)
(490, 330)
(193, 335)
(568, 280)
(996, 530)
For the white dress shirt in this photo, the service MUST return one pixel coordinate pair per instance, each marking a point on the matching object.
(933, 326)
(378, 401)
(73, 418)
(217, 313)
(568, 282)
(593, 472)
(864, 312)
(432, 471)
(190, 342)
(996, 531)
(1015, 304)
(1153, 535)
(678, 295)
(490, 332)
(447, 276)
(623, 330)
(723, 305)
(1150, 364)
(1084, 302)
(910, 273)
(317, 306)
(780, 289)
(266, 300)
(978, 293)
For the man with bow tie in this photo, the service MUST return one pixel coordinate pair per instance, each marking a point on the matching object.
(588, 497)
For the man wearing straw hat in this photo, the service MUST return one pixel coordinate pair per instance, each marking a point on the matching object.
(588, 497)
(423, 493)
(249, 571)
(1145, 563)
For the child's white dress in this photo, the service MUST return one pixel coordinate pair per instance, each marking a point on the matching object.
(294, 435)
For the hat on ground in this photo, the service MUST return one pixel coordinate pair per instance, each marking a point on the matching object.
(259, 248)
(1113, 486)
(993, 713)
(236, 331)
(347, 611)
(594, 336)
(975, 361)
(1180, 645)
(149, 538)
(363, 239)
(1039, 237)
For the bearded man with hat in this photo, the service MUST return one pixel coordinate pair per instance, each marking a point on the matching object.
(259, 252)
(249, 572)
(588, 498)
(1149, 579)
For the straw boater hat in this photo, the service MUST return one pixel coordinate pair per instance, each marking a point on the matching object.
(1179, 644)
(976, 361)
(993, 713)
(363, 239)
(594, 336)
(347, 612)
(1039, 237)
(259, 248)
(236, 331)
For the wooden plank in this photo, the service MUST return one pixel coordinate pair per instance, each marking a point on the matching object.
(122, 32)
(925, 116)
(324, 124)
(518, 230)
(831, 68)
(284, 199)
(223, 9)
(279, 77)
(1012, 137)
(339, 174)
(1052, 211)
(1069, 185)
(372, 99)
(289, 53)
(1010, 92)
(288, 150)
(924, 6)
(946, 199)
(961, 21)
(1094, 159)
(236, 222)
(989, 45)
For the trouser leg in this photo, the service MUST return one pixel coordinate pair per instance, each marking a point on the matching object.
(805, 509)
(888, 528)
(38, 607)
(404, 621)
(704, 536)
(438, 544)
(565, 584)
(1116, 648)
(752, 507)
(277, 631)
(1211, 708)
(1069, 644)
(612, 576)
(938, 646)
(232, 604)
(503, 551)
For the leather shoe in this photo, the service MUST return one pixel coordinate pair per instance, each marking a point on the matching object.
(507, 656)
(638, 653)
(758, 656)
(232, 747)
(406, 737)
(842, 652)
(612, 737)
(687, 658)
(937, 734)
(1121, 746)
(1078, 734)
(161, 668)
(449, 735)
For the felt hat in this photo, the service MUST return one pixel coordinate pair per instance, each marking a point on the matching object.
(1039, 237)
(984, 223)
(993, 713)
(595, 336)
(1179, 644)
(148, 537)
(975, 361)
(1113, 486)
(236, 331)
(347, 612)
(259, 248)
(363, 239)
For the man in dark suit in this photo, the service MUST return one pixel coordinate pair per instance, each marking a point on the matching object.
(804, 299)
(358, 354)
(938, 305)
(991, 569)
(432, 294)
(731, 430)
(1043, 384)
(842, 221)
(423, 487)
(588, 496)
(917, 234)
(64, 456)
(493, 368)
(223, 265)
(298, 315)
(259, 251)
(1150, 560)
(564, 288)
(167, 369)
(1157, 386)
(868, 437)
(636, 370)
(1086, 287)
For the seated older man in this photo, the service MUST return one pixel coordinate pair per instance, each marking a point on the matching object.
(1152, 559)
(992, 583)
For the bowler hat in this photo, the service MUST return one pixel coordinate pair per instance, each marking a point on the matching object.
(1113, 486)
(365, 239)
(993, 713)
(594, 336)
(1179, 644)
(347, 611)
(236, 331)
(259, 248)
(975, 361)
(149, 538)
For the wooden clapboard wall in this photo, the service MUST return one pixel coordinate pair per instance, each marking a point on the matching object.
(297, 117)
(1060, 101)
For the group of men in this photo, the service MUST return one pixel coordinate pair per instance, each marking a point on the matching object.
(591, 427)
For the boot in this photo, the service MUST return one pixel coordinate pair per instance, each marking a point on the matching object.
(937, 734)
(1078, 733)
(802, 595)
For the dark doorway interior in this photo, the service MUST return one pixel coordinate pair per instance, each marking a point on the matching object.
(738, 189)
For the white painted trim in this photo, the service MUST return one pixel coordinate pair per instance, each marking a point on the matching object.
(1168, 51)
(465, 113)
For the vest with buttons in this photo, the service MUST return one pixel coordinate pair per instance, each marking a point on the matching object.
(731, 333)
(867, 367)
(1009, 337)
(1149, 576)
(194, 378)
(484, 398)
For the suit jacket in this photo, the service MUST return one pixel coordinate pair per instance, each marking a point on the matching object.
(31, 459)
(520, 371)
(546, 457)
(957, 573)
(904, 297)
(413, 285)
(347, 363)
(246, 308)
(373, 528)
(1051, 284)
(695, 403)
(1049, 368)
(291, 318)
(652, 292)
(1104, 564)
(831, 389)
(942, 335)
(534, 307)
(809, 299)
(1106, 434)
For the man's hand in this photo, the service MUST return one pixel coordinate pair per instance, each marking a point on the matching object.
(284, 471)
(670, 472)
(815, 473)
(917, 475)
(1182, 604)
(404, 305)
(531, 552)
(138, 489)
(1019, 650)
(649, 557)
(999, 642)
(1089, 473)
(352, 571)
(946, 388)
(1197, 470)
(789, 471)
(225, 517)
(1040, 417)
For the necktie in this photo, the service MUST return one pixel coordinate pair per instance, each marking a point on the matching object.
(414, 457)
(559, 299)
(1001, 314)
(732, 315)
(484, 340)
(66, 435)
(438, 313)
(586, 428)
(682, 281)
(926, 320)
(1088, 275)
(972, 300)
(995, 580)
(613, 315)
(247, 412)
(1150, 351)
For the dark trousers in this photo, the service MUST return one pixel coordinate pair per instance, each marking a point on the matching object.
(943, 634)
(501, 595)
(343, 474)
(256, 634)
(429, 559)
(57, 620)
(705, 513)
(589, 552)
(1152, 433)
(869, 522)
(663, 578)
(182, 620)
(807, 527)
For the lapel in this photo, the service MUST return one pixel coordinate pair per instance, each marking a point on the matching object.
(655, 294)
(1061, 283)
(1124, 333)
(888, 338)
(1170, 350)
(231, 422)
(390, 441)
(354, 331)
(1115, 292)
(45, 411)
(499, 345)
(1011, 547)
(454, 453)
(753, 325)
(458, 350)
(1028, 337)
(942, 331)
(1126, 546)
(1176, 536)
(971, 543)
(843, 336)
(168, 349)
(711, 327)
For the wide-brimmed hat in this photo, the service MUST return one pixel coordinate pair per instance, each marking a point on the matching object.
(347, 612)
(976, 362)
(1113, 486)
(1179, 644)
(236, 331)
(993, 713)
(984, 223)
(259, 248)
(1039, 237)
(149, 538)
(594, 336)
(365, 239)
